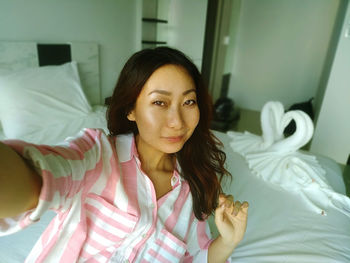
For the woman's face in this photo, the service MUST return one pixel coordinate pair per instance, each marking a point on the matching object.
(166, 111)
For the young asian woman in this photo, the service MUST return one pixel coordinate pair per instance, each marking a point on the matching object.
(143, 192)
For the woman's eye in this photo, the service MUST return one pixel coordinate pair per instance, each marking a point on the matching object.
(159, 103)
(190, 102)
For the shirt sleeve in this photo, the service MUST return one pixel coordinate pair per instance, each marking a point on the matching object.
(66, 170)
(198, 242)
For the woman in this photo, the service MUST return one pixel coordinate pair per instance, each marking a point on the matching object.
(141, 194)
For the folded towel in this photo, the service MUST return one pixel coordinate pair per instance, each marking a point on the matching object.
(319, 199)
(301, 136)
(291, 171)
(270, 119)
(276, 159)
(246, 142)
(271, 115)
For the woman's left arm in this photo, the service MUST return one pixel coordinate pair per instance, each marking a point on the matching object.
(231, 222)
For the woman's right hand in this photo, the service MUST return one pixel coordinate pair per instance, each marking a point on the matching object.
(231, 219)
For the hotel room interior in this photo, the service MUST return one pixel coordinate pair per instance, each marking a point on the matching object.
(250, 52)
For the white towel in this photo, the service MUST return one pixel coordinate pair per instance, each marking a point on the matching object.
(276, 159)
(301, 136)
(246, 142)
(270, 118)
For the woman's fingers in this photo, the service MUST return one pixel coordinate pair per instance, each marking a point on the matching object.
(225, 199)
(245, 205)
(229, 198)
(220, 210)
(236, 208)
(232, 207)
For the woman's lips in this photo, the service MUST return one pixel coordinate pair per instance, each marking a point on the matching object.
(174, 138)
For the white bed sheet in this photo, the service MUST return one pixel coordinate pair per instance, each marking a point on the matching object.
(280, 227)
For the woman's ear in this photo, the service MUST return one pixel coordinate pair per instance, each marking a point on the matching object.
(131, 116)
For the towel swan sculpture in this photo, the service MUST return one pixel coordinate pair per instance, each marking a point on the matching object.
(276, 159)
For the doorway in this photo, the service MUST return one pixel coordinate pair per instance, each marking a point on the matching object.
(221, 24)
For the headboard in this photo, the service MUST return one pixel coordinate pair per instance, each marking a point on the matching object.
(20, 55)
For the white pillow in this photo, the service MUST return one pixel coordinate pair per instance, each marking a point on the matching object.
(37, 98)
(56, 134)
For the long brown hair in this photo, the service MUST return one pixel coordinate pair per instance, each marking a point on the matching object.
(201, 159)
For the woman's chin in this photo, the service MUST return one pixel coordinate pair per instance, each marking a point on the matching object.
(174, 148)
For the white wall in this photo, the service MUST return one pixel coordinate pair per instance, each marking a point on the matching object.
(280, 50)
(114, 24)
(186, 27)
(332, 133)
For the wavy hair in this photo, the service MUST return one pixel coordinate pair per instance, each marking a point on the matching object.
(201, 159)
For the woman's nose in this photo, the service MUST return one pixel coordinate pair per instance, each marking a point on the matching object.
(175, 119)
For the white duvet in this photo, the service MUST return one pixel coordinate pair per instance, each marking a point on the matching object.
(281, 227)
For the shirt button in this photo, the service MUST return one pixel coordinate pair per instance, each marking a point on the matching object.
(152, 206)
(173, 180)
(144, 235)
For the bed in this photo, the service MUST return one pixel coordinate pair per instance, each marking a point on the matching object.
(57, 101)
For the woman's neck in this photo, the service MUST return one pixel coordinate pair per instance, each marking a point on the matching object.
(153, 160)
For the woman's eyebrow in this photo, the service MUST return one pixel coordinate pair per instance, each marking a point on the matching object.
(168, 93)
(160, 91)
(189, 91)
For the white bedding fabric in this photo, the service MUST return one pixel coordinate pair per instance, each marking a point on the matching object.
(55, 134)
(35, 99)
(277, 159)
(280, 228)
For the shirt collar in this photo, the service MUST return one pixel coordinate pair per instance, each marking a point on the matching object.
(126, 147)
(126, 150)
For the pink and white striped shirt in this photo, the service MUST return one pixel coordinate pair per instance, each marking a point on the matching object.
(106, 206)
